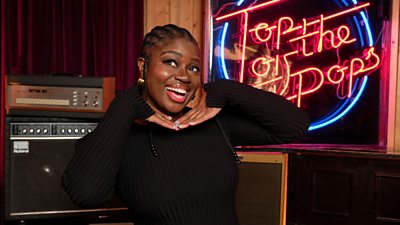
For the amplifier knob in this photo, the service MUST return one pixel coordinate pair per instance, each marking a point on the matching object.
(31, 131)
(89, 130)
(76, 130)
(62, 130)
(83, 130)
(38, 131)
(45, 131)
(69, 130)
(24, 130)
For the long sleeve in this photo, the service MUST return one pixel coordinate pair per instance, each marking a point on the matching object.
(90, 176)
(252, 116)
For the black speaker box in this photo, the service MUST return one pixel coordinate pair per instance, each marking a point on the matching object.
(33, 171)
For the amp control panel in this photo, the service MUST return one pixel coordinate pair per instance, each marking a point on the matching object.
(50, 130)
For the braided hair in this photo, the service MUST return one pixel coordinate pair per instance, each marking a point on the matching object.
(159, 34)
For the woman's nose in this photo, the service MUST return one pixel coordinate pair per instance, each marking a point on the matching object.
(182, 75)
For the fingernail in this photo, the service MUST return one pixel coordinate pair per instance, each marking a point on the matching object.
(174, 127)
(181, 126)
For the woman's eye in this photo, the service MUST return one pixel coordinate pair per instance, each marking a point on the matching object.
(194, 69)
(171, 62)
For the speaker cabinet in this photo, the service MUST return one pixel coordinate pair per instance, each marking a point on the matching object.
(34, 165)
(261, 194)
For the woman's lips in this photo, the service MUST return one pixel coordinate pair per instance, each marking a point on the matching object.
(177, 95)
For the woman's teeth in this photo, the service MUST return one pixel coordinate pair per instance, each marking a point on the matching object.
(177, 90)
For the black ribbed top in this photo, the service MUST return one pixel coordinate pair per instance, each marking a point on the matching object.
(194, 177)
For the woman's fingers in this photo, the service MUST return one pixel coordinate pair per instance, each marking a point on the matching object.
(191, 118)
(197, 115)
(162, 120)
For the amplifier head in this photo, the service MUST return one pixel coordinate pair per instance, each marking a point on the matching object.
(62, 96)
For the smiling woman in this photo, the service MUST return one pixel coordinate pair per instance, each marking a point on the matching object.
(172, 164)
(172, 75)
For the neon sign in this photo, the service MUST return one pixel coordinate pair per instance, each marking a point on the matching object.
(300, 40)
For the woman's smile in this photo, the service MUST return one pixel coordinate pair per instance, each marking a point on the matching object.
(176, 94)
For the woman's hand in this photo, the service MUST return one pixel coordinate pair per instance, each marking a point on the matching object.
(198, 114)
(160, 119)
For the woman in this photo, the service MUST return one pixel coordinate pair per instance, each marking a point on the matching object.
(169, 163)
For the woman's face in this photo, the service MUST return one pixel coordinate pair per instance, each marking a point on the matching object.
(172, 76)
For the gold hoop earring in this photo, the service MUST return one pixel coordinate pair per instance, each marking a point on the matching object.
(140, 82)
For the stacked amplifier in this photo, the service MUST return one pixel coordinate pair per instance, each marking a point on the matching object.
(45, 117)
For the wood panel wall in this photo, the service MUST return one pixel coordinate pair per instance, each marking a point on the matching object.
(396, 33)
(187, 14)
(393, 139)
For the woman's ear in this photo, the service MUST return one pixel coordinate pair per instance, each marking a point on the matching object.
(140, 64)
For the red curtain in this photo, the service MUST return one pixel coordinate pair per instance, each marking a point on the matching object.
(86, 37)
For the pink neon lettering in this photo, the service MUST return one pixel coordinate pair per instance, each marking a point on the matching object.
(307, 38)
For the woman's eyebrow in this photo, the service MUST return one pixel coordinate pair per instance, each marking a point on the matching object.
(173, 52)
(180, 55)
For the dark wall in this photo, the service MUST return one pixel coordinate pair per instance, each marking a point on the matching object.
(343, 188)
